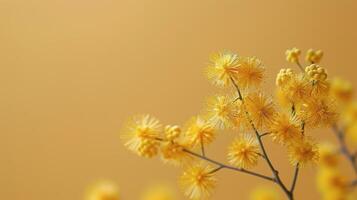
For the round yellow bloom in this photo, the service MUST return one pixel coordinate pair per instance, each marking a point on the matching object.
(328, 155)
(250, 72)
(198, 182)
(173, 153)
(316, 72)
(103, 190)
(244, 152)
(303, 151)
(260, 109)
(159, 192)
(313, 56)
(199, 131)
(292, 55)
(341, 90)
(297, 90)
(142, 134)
(285, 129)
(318, 112)
(332, 183)
(172, 132)
(221, 111)
(284, 77)
(222, 68)
(241, 122)
(264, 193)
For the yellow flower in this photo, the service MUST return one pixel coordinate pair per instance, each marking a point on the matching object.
(303, 151)
(103, 190)
(244, 152)
(284, 77)
(172, 132)
(222, 68)
(318, 112)
(332, 183)
(349, 115)
(282, 98)
(341, 90)
(221, 111)
(142, 134)
(297, 89)
(173, 153)
(260, 109)
(292, 55)
(241, 121)
(313, 56)
(318, 77)
(250, 72)
(328, 155)
(264, 193)
(198, 182)
(159, 192)
(285, 129)
(199, 131)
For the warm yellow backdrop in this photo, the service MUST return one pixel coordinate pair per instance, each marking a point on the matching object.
(72, 71)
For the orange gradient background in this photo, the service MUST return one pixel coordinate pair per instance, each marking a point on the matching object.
(73, 71)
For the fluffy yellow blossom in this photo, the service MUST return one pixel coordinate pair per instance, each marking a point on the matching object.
(199, 131)
(284, 77)
(221, 111)
(222, 68)
(172, 152)
(297, 90)
(103, 190)
(142, 134)
(328, 155)
(285, 129)
(159, 192)
(244, 151)
(303, 151)
(172, 132)
(241, 121)
(313, 56)
(198, 182)
(260, 109)
(318, 112)
(250, 72)
(332, 184)
(282, 98)
(264, 193)
(341, 90)
(292, 55)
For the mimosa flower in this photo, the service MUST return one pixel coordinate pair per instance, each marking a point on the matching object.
(103, 190)
(318, 112)
(313, 56)
(198, 182)
(141, 135)
(292, 55)
(241, 121)
(284, 77)
(199, 131)
(328, 155)
(297, 89)
(222, 68)
(173, 153)
(221, 111)
(159, 192)
(172, 132)
(260, 109)
(332, 183)
(250, 72)
(264, 193)
(244, 152)
(341, 90)
(303, 151)
(285, 129)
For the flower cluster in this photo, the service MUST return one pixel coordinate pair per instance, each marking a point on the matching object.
(306, 100)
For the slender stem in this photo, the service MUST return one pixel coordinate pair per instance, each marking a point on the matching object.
(221, 166)
(203, 148)
(344, 149)
(299, 65)
(264, 134)
(296, 174)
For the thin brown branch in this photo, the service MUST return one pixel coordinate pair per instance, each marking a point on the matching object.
(296, 174)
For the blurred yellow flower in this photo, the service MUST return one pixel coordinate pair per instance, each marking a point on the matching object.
(313, 56)
(222, 68)
(285, 129)
(198, 182)
(292, 55)
(221, 111)
(159, 192)
(199, 131)
(303, 151)
(264, 193)
(341, 90)
(141, 135)
(260, 109)
(332, 184)
(250, 72)
(103, 190)
(244, 151)
(328, 155)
